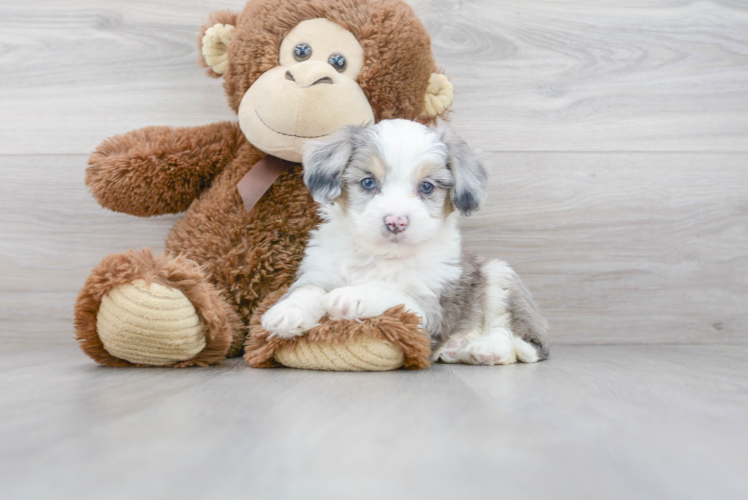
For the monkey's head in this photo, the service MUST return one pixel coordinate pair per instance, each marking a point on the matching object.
(298, 70)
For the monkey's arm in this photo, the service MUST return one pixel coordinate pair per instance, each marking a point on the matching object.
(160, 170)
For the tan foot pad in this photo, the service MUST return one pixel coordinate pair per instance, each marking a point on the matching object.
(362, 354)
(149, 324)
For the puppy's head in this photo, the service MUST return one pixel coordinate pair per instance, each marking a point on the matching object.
(395, 183)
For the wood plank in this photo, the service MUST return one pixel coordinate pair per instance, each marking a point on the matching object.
(54, 232)
(73, 73)
(538, 75)
(548, 75)
(613, 422)
(617, 248)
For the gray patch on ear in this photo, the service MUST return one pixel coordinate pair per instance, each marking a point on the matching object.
(325, 161)
(471, 178)
(526, 321)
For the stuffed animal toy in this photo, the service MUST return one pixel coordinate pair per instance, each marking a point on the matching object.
(293, 70)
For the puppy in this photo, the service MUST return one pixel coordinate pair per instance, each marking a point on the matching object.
(390, 195)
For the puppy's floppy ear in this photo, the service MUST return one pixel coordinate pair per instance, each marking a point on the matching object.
(325, 161)
(471, 178)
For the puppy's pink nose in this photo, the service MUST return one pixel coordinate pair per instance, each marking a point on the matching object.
(396, 223)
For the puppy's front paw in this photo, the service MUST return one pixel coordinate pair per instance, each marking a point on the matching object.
(288, 319)
(352, 303)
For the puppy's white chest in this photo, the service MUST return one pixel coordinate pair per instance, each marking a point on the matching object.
(417, 277)
(359, 271)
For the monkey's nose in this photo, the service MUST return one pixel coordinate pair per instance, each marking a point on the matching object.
(324, 79)
(396, 223)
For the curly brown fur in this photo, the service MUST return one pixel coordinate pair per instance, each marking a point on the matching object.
(247, 254)
(394, 80)
(399, 327)
(146, 172)
(222, 328)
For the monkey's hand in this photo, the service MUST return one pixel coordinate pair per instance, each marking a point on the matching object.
(160, 170)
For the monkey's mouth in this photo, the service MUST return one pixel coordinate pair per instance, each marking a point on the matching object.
(288, 135)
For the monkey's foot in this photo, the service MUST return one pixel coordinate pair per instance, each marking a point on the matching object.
(149, 324)
(386, 342)
(139, 310)
(361, 354)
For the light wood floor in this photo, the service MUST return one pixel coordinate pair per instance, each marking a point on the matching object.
(617, 138)
(593, 422)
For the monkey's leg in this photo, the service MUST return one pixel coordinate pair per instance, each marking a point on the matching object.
(136, 309)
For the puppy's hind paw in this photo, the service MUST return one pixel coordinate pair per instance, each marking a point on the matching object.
(493, 348)
(485, 359)
(453, 350)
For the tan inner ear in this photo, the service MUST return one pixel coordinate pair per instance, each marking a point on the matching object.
(216, 46)
(439, 95)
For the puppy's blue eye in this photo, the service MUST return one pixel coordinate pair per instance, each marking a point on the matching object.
(368, 183)
(426, 188)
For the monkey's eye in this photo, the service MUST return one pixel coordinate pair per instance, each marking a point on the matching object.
(302, 52)
(426, 188)
(368, 184)
(337, 61)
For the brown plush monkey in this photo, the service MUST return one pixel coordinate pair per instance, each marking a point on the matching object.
(293, 70)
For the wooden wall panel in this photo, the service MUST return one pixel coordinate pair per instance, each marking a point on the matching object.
(663, 75)
(617, 135)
